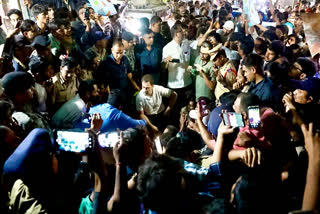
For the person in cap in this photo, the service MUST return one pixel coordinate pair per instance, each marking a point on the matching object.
(302, 68)
(128, 48)
(19, 88)
(304, 100)
(205, 81)
(148, 57)
(225, 73)
(42, 52)
(227, 30)
(65, 84)
(21, 52)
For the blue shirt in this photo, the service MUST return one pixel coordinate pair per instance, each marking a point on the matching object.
(113, 74)
(215, 120)
(149, 62)
(267, 92)
(113, 119)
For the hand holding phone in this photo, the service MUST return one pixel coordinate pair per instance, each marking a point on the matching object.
(232, 119)
(254, 116)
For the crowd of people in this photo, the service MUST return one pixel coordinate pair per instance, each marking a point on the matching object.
(212, 114)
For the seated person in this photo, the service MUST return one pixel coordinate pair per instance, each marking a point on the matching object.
(149, 102)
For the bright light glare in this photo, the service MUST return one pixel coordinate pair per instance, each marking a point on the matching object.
(133, 26)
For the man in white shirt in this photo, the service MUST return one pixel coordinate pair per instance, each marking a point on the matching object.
(176, 56)
(149, 102)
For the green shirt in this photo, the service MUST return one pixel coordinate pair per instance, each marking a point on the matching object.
(202, 90)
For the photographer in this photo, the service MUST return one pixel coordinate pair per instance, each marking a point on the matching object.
(83, 29)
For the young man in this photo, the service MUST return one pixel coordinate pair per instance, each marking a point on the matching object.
(260, 84)
(148, 58)
(29, 30)
(41, 15)
(205, 79)
(155, 25)
(149, 103)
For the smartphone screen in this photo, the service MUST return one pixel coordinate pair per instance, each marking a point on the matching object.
(233, 119)
(73, 141)
(254, 116)
(108, 139)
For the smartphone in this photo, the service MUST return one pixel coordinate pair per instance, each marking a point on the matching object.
(175, 60)
(254, 116)
(158, 145)
(73, 141)
(108, 139)
(232, 119)
(203, 107)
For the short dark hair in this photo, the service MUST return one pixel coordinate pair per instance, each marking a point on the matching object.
(175, 30)
(148, 78)
(246, 100)
(247, 45)
(254, 60)
(296, 37)
(146, 32)
(86, 86)
(262, 47)
(216, 36)
(284, 29)
(38, 9)
(155, 19)
(201, 30)
(69, 61)
(26, 25)
(277, 47)
(6, 109)
(14, 11)
(57, 23)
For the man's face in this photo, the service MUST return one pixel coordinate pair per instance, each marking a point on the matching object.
(117, 52)
(249, 74)
(14, 19)
(279, 33)
(236, 106)
(147, 88)
(179, 36)
(219, 61)
(182, 9)
(43, 18)
(301, 96)
(291, 40)
(156, 27)
(81, 14)
(212, 40)
(67, 73)
(295, 71)
(31, 33)
(51, 13)
(204, 55)
(148, 39)
(270, 56)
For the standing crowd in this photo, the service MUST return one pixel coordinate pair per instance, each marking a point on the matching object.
(165, 91)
